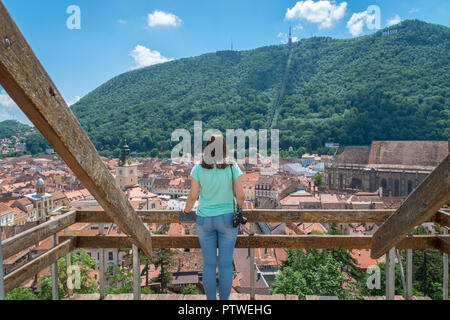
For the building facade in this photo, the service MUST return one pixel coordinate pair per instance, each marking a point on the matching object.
(395, 168)
(41, 200)
(127, 170)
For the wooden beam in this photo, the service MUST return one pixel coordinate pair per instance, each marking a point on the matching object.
(443, 218)
(443, 244)
(28, 84)
(257, 241)
(31, 237)
(27, 271)
(420, 206)
(318, 216)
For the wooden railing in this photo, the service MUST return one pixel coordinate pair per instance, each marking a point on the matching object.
(65, 244)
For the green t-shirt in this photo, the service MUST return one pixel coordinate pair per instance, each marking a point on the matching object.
(216, 193)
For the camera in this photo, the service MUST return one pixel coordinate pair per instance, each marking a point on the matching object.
(239, 219)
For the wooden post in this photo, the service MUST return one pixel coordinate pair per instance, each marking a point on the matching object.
(2, 281)
(402, 274)
(101, 279)
(390, 274)
(252, 265)
(28, 84)
(55, 293)
(409, 263)
(445, 280)
(68, 262)
(136, 274)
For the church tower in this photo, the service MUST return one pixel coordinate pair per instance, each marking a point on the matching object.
(40, 187)
(126, 171)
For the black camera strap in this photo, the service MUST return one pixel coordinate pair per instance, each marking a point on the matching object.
(232, 188)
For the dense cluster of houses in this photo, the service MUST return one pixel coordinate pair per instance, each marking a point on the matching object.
(16, 143)
(34, 190)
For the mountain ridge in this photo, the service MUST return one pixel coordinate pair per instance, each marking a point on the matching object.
(336, 89)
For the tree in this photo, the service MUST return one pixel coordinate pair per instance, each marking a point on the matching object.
(118, 280)
(318, 179)
(348, 263)
(88, 285)
(21, 294)
(36, 144)
(190, 290)
(162, 258)
(312, 272)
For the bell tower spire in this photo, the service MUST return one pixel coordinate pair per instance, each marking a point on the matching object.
(126, 171)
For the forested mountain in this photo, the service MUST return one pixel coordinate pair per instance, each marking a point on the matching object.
(9, 128)
(393, 84)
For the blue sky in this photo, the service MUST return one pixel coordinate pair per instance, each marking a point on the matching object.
(117, 36)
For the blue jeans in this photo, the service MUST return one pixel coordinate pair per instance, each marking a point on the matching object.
(216, 232)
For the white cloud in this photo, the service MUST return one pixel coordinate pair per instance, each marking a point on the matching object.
(160, 18)
(394, 20)
(356, 23)
(285, 38)
(9, 110)
(122, 21)
(324, 12)
(5, 100)
(72, 102)
(413, 10)
(145, 57)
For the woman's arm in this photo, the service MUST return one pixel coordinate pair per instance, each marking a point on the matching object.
(193, 195)
(239, 192)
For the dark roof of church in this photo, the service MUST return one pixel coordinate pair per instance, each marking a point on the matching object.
(413, 153)
(404, 153)
(353, 155)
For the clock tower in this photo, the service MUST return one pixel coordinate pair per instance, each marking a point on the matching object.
(126, 171)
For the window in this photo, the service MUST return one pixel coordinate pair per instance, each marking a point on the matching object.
(131, 171)
(110, 256)
(410, 186)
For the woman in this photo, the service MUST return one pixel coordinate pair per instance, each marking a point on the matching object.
(212, 181)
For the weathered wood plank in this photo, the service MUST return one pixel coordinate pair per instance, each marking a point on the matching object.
(443, 218)
(409, 267)
(27, 271)
(28, 84)
(136, 274)
(390, 275)
(420, 206)
(258, 241)
(443, 244)
(318, 216)
(24, 240)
